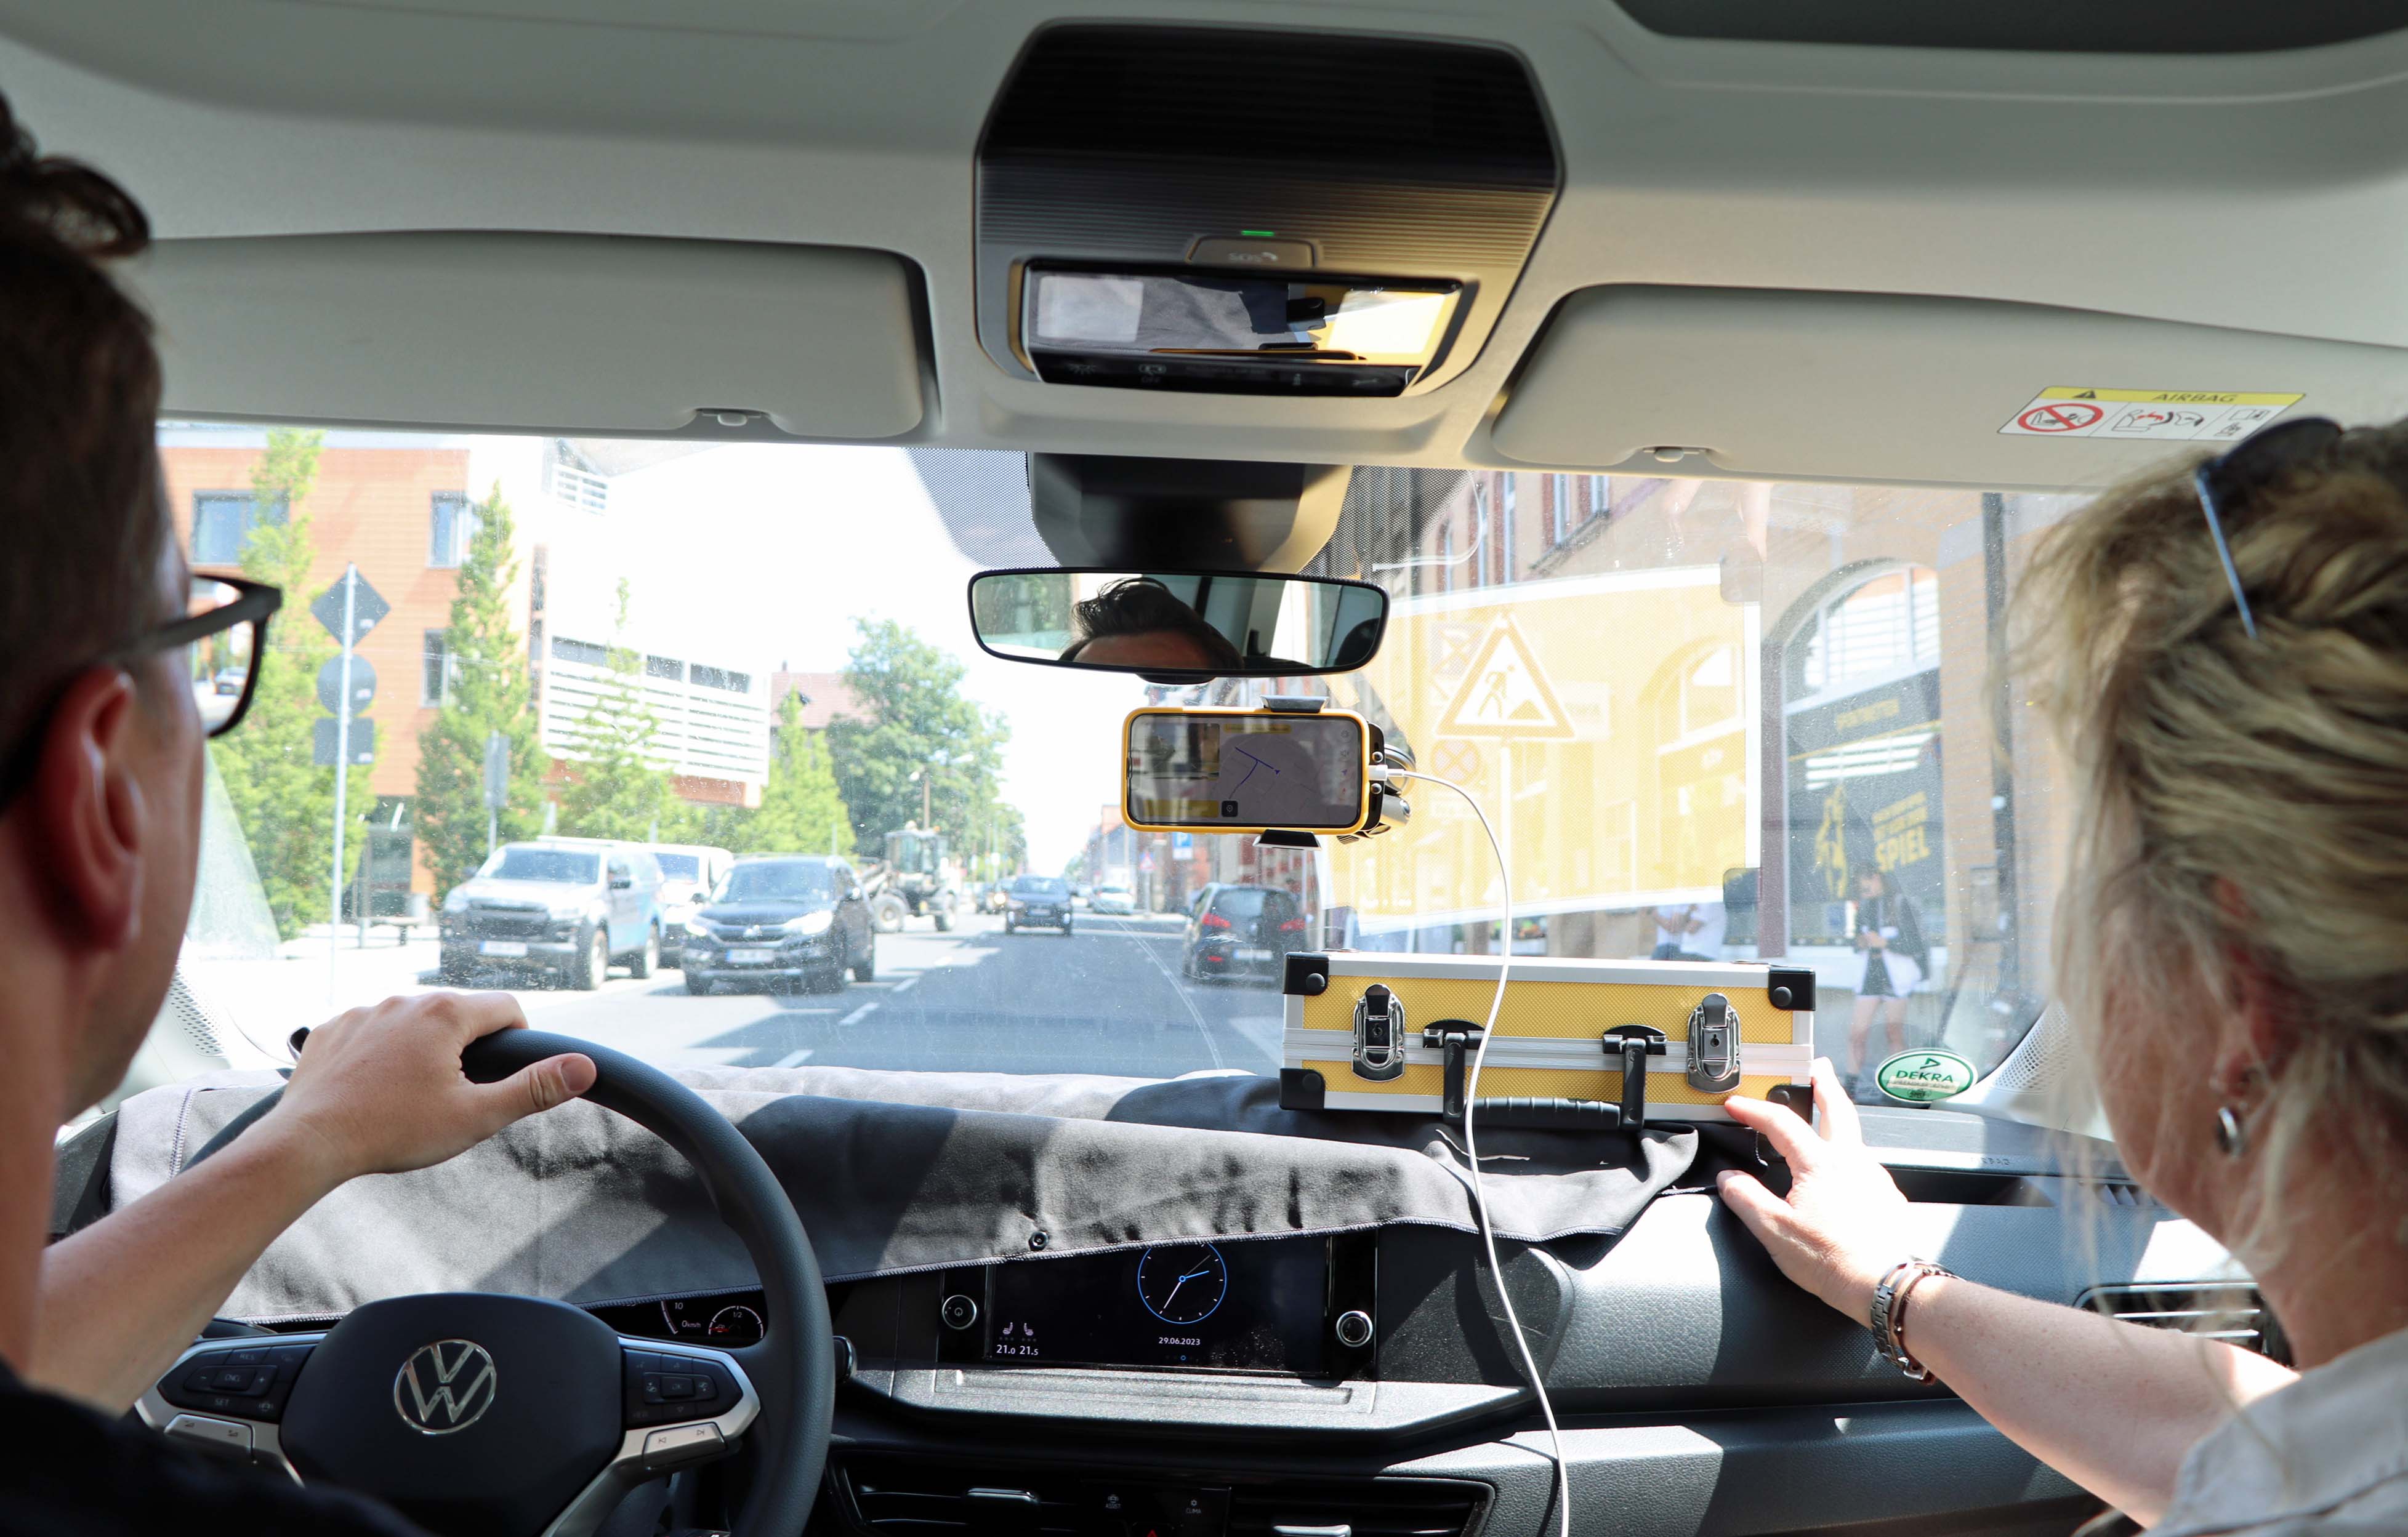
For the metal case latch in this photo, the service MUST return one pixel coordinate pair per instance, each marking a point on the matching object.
(1714, 1046)
(1379, 1034)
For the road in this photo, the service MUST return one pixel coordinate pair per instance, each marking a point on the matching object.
(1109, 999)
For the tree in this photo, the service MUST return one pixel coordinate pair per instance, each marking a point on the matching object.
(801, 811)
(282, 800)
(486, 689)
(617, 791)
(916, 721)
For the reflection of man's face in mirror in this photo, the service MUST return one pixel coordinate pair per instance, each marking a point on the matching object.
(1168, 649)
(1136, 624)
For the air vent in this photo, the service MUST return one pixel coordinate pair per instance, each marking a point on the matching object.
(1386, 1507)
(893, 1495)
(932, 1498)
(2234, 1313)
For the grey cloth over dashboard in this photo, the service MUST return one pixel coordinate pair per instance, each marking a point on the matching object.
(891, 1173)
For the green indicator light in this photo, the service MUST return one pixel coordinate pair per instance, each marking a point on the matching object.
(1259, 235)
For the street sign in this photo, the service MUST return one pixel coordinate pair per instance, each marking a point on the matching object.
(362, 743)
(1183, 843)
(497, 771)
(1504, 693)
(330, 684)
(367, 608)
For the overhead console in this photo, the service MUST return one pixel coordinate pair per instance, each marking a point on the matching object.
(1254, 212)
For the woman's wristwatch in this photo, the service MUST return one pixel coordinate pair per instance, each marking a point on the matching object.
(1888, 1322)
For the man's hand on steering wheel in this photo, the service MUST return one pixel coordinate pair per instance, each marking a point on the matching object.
(380, 1090)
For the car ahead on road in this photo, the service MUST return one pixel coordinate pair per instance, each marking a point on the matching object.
(690, 872)
(1112, 899)
(1037, 902)
(1241, 930)
(793, 918)
(566, 910)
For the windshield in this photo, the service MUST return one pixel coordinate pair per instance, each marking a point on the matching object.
(679, 866)
(1736, 721)
(549, 864)
(781, 880)
(1038, 886)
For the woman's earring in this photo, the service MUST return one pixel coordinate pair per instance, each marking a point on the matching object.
(2231, 1132)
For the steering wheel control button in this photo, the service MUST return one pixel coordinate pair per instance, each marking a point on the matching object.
(681, 1444)
(1353, 1329)
(221, 1436)
(958, 1310)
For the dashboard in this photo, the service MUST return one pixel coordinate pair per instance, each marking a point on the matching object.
(1225, 1387)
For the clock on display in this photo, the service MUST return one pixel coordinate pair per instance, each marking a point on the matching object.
(1182, 1283)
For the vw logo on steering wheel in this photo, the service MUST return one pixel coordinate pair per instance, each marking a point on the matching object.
(445, 1386)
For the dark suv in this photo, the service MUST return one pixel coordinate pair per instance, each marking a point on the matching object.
(785, 917)
(1042, 902)
(1241, 930)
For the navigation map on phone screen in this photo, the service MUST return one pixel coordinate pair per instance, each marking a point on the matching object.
(1304, 772)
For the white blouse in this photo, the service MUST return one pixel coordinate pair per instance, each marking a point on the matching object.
(2324, 1456)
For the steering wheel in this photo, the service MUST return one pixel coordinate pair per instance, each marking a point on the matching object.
(516, 1416)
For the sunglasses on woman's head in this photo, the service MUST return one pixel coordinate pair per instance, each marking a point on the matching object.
(2225, 482)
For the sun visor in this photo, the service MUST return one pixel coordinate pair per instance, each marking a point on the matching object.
(1869, 387)
(564, 332)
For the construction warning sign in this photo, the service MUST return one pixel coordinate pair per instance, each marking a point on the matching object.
(2187, 415)
(1503, 692)
(1607, 724)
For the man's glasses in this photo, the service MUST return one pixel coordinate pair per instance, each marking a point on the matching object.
(223, 635)
(2257, 461)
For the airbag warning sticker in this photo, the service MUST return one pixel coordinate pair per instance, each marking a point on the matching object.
(2182, 415)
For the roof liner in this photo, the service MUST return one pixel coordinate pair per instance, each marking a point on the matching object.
(2261, 192)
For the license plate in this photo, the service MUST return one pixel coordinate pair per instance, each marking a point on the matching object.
(1252, 952)
(751, 958)
(502, 947)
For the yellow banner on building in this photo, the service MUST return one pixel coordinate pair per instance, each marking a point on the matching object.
(1607, 724)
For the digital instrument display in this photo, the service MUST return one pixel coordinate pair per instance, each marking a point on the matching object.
(1210, 769)
(1255, 1305)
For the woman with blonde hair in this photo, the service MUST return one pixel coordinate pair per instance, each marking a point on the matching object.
(2223, 652)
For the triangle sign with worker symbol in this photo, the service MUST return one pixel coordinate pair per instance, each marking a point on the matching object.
(1504, 693)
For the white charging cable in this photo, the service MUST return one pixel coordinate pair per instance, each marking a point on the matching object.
(1471, 1151)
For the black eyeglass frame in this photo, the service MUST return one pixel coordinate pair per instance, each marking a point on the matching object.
(2249, 465)
(254, 604)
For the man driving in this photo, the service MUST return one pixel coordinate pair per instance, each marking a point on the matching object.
(101, 776)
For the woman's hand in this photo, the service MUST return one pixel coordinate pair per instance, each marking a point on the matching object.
(1844, 1223)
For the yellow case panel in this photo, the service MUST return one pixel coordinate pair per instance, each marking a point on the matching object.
(1550, 1030)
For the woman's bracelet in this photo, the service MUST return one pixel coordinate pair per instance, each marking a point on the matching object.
(1889, 1313)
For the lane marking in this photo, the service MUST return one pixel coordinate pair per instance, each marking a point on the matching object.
(1178, 988)
(856, 1013)
(905, 986)
(794, 1058)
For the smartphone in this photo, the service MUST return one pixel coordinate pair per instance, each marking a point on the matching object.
(1246, 771)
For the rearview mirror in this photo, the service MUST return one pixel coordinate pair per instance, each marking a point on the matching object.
(1178, 626)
